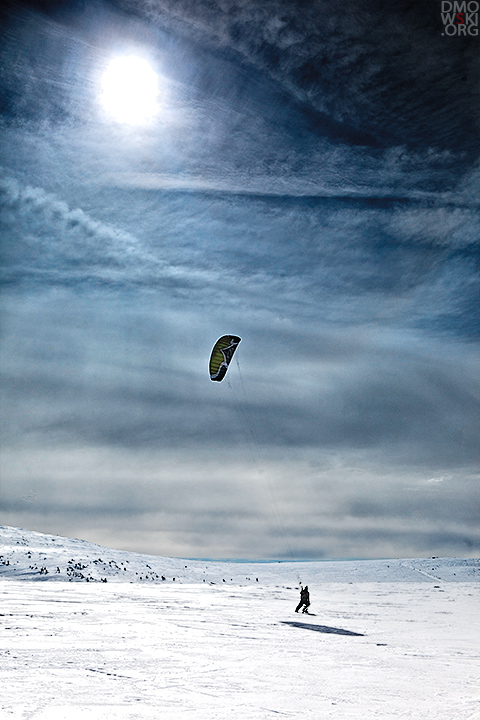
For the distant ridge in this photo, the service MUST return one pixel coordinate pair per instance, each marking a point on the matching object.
(30, 555)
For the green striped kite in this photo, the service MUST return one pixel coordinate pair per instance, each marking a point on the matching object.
(221, 356)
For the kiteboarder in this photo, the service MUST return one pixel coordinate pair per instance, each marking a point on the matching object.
(304, 600)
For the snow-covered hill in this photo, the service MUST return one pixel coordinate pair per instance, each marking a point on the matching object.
(29, 555)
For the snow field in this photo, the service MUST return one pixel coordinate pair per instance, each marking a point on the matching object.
(95, 651)
(91, 633)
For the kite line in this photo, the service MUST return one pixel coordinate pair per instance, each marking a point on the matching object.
(259, 459)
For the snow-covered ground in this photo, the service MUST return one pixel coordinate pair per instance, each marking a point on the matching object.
(389, 638)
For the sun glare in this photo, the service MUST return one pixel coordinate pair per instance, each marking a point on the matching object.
(130, 90)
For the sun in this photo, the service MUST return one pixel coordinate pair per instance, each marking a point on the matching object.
(129, 90)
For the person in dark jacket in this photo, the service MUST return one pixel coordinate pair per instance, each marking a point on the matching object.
(304, 600)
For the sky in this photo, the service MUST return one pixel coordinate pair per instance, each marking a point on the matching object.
(303, 175)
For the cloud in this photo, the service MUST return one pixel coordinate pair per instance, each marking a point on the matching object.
(455, 227)
(56, 243)
(224, 122)
(349, 63)
(307, 188)
(27, 201)
(197, 502)
(436, 480)
(347, 253)
(117, 373)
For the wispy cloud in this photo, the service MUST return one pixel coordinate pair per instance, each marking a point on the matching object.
(189, 506)
(27, 201)
(345, 61)
(54, 242)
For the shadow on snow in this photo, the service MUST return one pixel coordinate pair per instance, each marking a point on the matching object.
(321, 628)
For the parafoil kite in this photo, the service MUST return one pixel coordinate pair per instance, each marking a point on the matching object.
(221, 356)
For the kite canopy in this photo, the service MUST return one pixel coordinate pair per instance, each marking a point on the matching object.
(221, 356)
